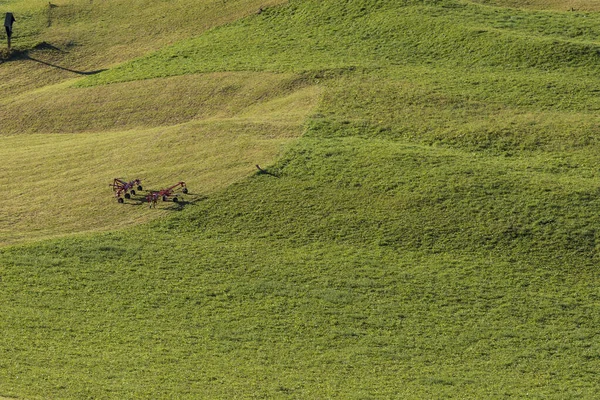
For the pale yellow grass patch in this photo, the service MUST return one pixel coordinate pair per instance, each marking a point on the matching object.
(61, 147)
(558, 5)
(166, 101)
(94, 35)
(568, 5)
(55, 185)
(108, 32)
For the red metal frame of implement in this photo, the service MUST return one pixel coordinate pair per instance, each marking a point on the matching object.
(153, 197)
(125, 189)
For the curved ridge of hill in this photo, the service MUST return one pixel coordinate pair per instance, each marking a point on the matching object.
(424, 222)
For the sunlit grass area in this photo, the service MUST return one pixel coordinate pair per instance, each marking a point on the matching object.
(556, 5)
(65, 39)
(424, 223)
(57, 183)
(160, 102)
(449, 274)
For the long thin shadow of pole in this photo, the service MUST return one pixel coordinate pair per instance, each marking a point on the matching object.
(28, 57)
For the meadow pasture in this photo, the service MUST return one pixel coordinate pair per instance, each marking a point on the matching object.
(425, 223)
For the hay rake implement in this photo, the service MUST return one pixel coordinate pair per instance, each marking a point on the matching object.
(125, 189)
(166, 194)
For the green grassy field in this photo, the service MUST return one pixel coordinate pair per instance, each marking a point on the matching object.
(59, 166)
(426, 227)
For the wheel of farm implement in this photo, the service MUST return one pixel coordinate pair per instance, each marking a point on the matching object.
(127, 196)
(140, 188)
(184, 190)
(120, 200)
(165, 198)
(132, 192)
(175, 199)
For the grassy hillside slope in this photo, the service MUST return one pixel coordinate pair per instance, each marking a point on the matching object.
(56, 185)
(433, 233)
(73, 38)
(64, 146)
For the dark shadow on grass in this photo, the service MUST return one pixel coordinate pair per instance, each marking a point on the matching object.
(48, 46)
(28, 57)
(265, 172)
(44, 46)
(170, 205)
(182, 202)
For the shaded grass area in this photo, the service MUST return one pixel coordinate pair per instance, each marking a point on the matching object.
(426, 274)
(403, 321)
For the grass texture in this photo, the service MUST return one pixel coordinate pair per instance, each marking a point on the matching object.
(471, 286)
(431, 234)
(59, 165)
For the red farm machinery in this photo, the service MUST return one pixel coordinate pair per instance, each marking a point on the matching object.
(166, 194)
(125, 189)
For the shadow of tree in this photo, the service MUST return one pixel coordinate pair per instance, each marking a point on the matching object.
(43, 46)
(27, 57)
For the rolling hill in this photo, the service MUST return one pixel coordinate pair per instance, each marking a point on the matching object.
(424, 223)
